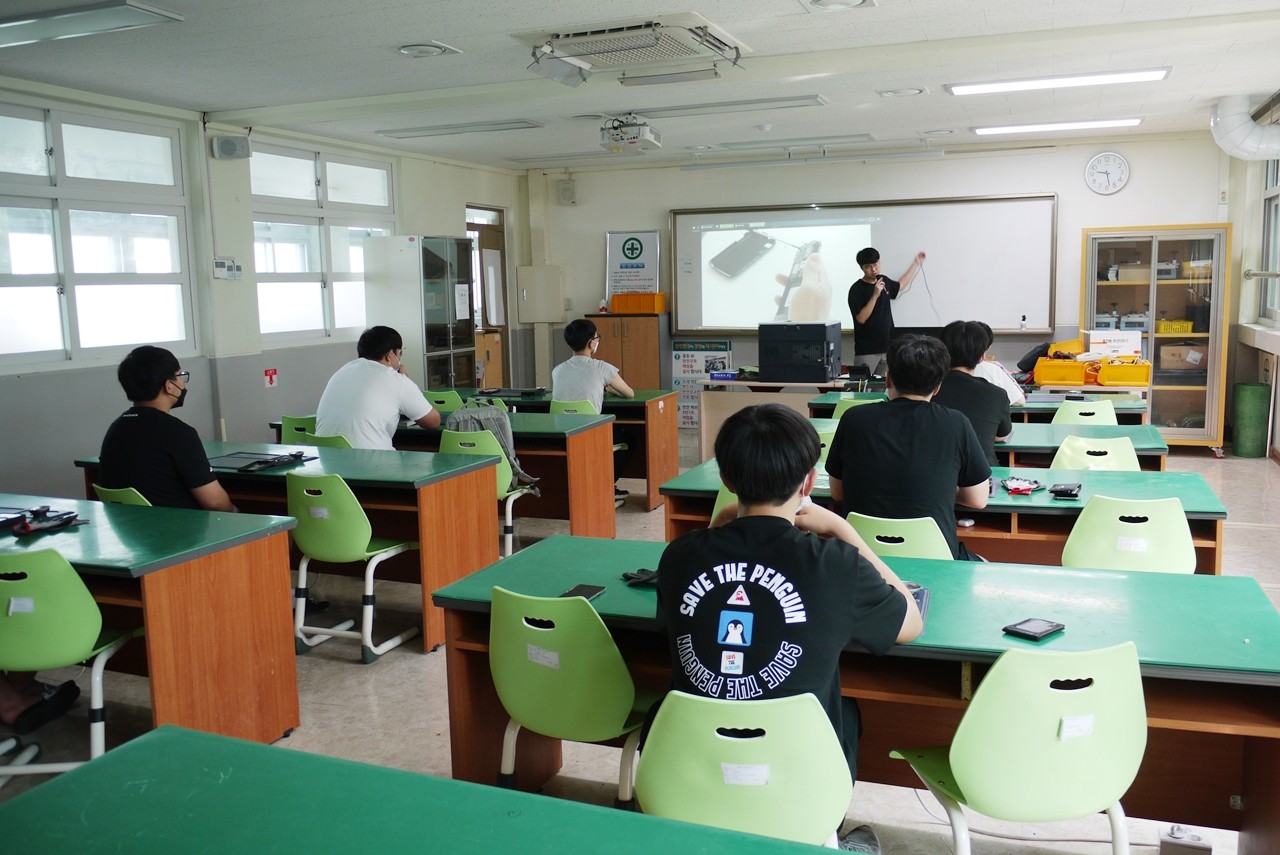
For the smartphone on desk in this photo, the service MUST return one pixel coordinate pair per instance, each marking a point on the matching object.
(741, 254)
(588, 591)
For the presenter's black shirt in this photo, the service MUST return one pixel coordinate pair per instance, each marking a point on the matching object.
(874, 335)
(157, 454)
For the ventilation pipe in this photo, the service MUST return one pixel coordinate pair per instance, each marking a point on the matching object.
(1236, 133)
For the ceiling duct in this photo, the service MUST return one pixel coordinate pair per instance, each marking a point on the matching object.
(1236, 133)
(678, 38)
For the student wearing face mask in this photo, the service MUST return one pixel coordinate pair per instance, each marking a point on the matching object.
(365, 399)
(147, 448)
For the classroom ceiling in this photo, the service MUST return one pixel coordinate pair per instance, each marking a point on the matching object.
(333, 68)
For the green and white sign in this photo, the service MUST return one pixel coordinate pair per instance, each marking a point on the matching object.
(631, 263)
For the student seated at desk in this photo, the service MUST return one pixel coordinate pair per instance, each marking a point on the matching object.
(582, 377)
(365, 398)
(762, 606)
(985, 405)
(993, 372)
(907, 457)
(147, 448)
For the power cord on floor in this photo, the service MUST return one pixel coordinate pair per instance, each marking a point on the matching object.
(1022, 838)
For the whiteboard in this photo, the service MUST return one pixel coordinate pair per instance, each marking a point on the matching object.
(988, 259)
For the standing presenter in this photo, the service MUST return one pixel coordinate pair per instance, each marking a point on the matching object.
(869, 304)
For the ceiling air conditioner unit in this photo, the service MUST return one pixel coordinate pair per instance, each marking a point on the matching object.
(679, 38)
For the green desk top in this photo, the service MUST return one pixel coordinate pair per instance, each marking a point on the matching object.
(534, 425)
(1185, 625)
(1121, 403)
(1029, 436)
(1198, 499)
(643, 396)
(357, 466)
(830, 399)
(176, 790)
(132, 540)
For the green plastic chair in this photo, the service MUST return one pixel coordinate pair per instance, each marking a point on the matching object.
(825, 437)
(332, 527)
(773, 767)
(1048, 736)
(1131, 534)
(724, 497)
(500, 403)
(1113, 453)
(918, 537)
(445, 401)
(558, 673)
(1085, 413)
(576, 408)
(485, 444)
(120, 495)
(845, 404)
(62, 628)
(336, 440)
(292, 428)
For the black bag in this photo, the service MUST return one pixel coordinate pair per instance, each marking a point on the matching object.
(1028, 362)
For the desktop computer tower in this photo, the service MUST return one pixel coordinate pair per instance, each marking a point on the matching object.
(799, 353)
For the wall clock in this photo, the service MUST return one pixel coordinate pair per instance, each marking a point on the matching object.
(1106, 173)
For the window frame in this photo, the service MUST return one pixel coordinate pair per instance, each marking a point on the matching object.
(1269, 286)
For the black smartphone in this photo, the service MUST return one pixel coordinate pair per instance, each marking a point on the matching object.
(742, 253)
(588, 591)
(1033, 629)
(1065, 491)
(797, 273)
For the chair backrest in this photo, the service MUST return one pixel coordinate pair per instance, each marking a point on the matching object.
(556, 668)
(336, 440)
(825, 437)
(292, 428)
(331, 524)
(724, 497)
(1131, 534)
(1085, 413)
(918, 537)
(1051, 735)
(481, 400)
(445, 401)
(62, 623)
(574, 408)
(479, 442)
(848, 403)
(120, 495)
(1080, 452)
(772, 767)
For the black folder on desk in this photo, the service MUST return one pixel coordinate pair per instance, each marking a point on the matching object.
(252, 461)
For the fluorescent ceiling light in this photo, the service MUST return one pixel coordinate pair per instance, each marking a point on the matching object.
(1063, 82)
(838, 5)
(797, 142)
(581, 155)
(670, 77)
(468, 128)
(795, 161)
(568, 70)
(81, 21)
(1058, 126)
(731, 107)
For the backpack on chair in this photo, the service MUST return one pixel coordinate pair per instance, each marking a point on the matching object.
(482, 415)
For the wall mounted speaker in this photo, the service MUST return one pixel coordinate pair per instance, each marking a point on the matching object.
(568, 192)
(231, 148)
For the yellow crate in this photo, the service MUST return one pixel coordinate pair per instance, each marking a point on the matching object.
(1075, 345)
(1124, 371)
(638, 304)
(1173, 326)
(1057, 372)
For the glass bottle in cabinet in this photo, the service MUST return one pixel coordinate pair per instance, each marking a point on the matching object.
(1169, 285)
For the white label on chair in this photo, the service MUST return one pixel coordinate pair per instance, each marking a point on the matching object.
(745, 775)
(318, 513)
(21, 604)
(542, 656)
(1131, 544)
(1073, 726)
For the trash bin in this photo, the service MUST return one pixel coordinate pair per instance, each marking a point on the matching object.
(1253, 403)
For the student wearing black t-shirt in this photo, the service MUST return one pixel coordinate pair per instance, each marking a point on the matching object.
(908, 457)
(156, 453)
(984, 404)
(869, 299)
(762, 606)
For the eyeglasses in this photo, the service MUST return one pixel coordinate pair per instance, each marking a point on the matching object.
(185, 375)
(596, 337)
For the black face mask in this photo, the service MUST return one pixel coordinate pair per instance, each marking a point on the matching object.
(182, 396)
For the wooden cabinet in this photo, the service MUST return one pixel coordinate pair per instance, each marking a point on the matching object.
(639, 345)
(489, 360)
(1169, 284)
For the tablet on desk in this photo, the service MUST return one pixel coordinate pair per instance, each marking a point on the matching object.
(252, 461)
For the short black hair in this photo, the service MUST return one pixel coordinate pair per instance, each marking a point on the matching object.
(917, 364)
(966, 341)
(377, 342)
(765, 452)
(867, 256)
(143, 373)
(578, 333)
(991, 336)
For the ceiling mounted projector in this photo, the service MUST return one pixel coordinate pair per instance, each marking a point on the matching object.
(628, 132)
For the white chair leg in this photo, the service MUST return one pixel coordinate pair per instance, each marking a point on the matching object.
(626, 772)
(955, 814)
(23, 758)
(97, 715)
(1119, 830)
(507, 767)
(369, 652)
(307, 637)
(509, 526)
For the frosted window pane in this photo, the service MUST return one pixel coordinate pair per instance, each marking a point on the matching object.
(22, 146)
(346, 245)
(286, 247)
(111, 242)
(289, 306)
(28, 244)
(129, 314)
(286, 177)
(357, 185)
(348, 304)
(107, 155)
(30, 320)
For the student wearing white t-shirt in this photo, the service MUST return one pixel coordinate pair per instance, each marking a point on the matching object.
(994, 372)
(365, 399)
